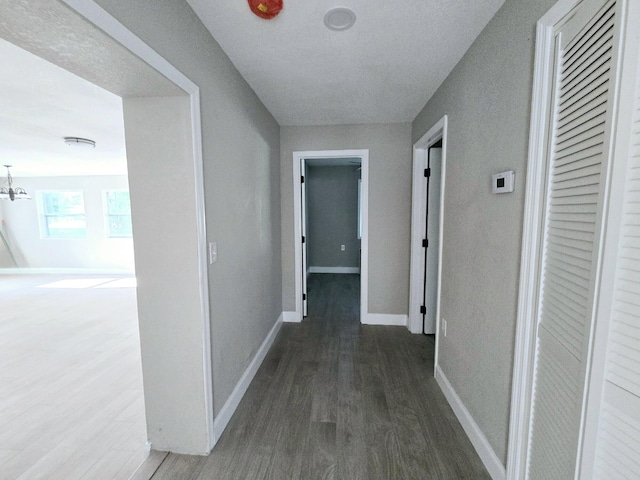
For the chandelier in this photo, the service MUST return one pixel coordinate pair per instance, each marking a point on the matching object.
(11, 193)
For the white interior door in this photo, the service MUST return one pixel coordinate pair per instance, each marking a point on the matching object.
(303, 220)
(579, 136)
(432, 235)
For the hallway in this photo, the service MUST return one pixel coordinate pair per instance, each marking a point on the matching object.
(337, 400)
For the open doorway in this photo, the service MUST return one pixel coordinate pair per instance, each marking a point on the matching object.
(330, 195)
(427, 215)
(163, 139)
(337, 236)
(69, 322)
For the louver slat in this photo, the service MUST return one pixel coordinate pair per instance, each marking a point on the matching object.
(618, 445)
(575, 165)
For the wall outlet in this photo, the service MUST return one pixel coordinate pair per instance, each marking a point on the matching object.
(444, 327)
(342, 248)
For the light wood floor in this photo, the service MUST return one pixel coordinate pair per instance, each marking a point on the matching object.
(71, 401)
(337, 400)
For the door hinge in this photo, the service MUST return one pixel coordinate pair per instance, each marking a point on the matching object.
(302, 179)
(427, 172)
(304, 239)
(304, 296)
(423, 309)
(425, 243)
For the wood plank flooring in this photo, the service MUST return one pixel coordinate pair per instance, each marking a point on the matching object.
(71, 401)
(337, 400)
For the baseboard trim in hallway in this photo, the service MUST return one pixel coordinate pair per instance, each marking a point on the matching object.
(477, 438)
(290, 317)
(385, 319)
(230, 406)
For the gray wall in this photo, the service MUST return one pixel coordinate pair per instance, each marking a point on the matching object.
(389, 205)
(95, 251)
(487, 98)
(241, 146)
(332, 199)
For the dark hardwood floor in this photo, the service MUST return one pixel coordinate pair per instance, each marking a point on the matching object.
(338, 400)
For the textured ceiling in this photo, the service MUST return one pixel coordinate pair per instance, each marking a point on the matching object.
(54, 32)
(382, 70)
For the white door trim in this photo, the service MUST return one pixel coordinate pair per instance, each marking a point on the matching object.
(112, 27)
(527, 313)
(418, 205)
(363, 155)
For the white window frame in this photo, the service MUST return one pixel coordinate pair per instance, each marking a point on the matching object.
(108, 214)
(43, 216)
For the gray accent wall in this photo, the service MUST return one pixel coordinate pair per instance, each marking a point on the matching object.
(487, 98)
(241, 148)
(332, 220)
(390, 159)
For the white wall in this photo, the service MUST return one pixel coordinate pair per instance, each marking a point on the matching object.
(158, 137)
(389, 205)
(487, 98)
(95, 251)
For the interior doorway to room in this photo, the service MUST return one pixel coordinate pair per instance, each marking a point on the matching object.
(431, 238)
(330, 195)
(429, 166)
(331, 225)
(152, 90)
(69, 322)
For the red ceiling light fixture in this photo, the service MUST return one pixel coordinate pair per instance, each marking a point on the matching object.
(266, 9)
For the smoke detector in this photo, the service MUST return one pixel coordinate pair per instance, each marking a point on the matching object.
(339, 18)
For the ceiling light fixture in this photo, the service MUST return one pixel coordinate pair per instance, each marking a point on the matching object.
(339, 18)
(10, 193)
(79, 142)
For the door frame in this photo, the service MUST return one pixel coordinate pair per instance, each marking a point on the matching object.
(99, 17)
(418, 223)
(363, 155)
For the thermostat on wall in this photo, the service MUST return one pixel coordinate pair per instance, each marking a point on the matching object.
(503, 182)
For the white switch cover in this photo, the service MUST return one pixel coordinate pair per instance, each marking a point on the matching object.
(213, 252)
(342, 248)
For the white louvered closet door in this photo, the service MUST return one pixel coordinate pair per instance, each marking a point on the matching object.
(578, 137)
(618, 440)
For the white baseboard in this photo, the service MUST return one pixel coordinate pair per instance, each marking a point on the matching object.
(291, 317)
(384, 319)
(334, 270)
(66, 271)
(230, 406)
(478, 440)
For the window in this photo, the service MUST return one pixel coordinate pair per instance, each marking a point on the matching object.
(64, 214)
(118, 211)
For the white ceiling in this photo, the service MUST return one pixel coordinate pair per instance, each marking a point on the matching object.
(382, 70)
(40, 104)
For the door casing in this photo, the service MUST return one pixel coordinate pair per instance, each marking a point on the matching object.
(298, 157)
